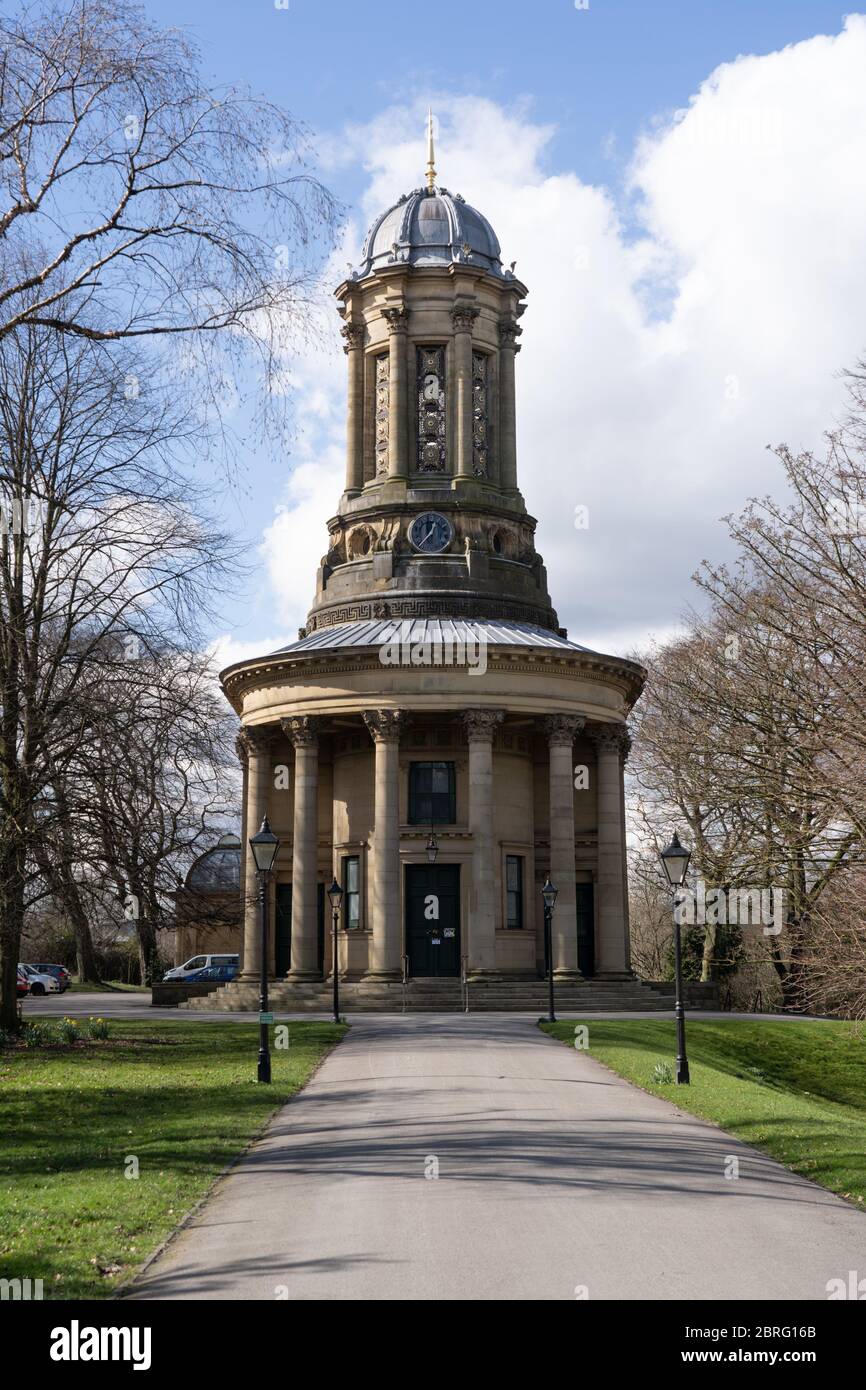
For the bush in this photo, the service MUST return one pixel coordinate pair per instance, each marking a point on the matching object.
(662, 1074)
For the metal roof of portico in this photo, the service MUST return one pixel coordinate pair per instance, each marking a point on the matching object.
(380, 632)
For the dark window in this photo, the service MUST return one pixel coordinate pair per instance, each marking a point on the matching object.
(352, 890)
(431, 794)
(514, 890)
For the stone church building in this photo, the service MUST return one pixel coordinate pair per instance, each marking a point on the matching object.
(432, 707)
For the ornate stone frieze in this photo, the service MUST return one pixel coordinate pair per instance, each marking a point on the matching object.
(302, 730)
(562, 729)
(454, 606)
(385, 725)
(481, 724)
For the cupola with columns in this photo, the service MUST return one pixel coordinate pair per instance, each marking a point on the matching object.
(431, 522)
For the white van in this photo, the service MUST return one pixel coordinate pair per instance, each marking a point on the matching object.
(189, 967)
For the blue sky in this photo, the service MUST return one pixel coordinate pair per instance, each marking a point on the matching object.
(581, 87)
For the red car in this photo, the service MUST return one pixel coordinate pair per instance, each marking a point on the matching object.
(23, 983)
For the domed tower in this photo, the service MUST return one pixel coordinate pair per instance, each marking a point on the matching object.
(431, 523)
(433, 738)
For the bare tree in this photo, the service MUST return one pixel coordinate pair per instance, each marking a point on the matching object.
(105, 542)
(141, 203)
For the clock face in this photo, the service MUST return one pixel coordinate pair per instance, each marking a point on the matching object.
(431, 533)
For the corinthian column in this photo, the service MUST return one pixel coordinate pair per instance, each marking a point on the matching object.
(354, 350)
(385, 727)
(398, 463)
(611, 743)
(508, 348)
(254, 747)
(480, 727)
(463, 318)
(561, 731)
(303, 732)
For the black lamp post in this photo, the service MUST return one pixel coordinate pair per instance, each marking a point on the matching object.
(549, 893)
(432, 847)
(264, 847)
(335, 897)
(675, 862)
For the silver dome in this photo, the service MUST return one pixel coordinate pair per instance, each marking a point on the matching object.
(431, 227)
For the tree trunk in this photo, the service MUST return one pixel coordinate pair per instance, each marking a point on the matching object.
(11, 925)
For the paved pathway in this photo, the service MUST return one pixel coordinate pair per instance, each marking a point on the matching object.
(553, 1174)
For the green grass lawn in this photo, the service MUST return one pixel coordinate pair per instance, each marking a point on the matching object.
(796, 1090)
(180, 1096)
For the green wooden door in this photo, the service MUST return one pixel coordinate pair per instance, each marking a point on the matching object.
(585, 929)
(433, 919)
(283, 931)
(283, 928)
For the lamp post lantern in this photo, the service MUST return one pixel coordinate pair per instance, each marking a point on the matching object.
(264, 848)
(432, 846)
(335, 897)
(675, 862)
(548, 894)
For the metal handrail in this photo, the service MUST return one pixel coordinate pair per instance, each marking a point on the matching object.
(405, 981)
(464, 982)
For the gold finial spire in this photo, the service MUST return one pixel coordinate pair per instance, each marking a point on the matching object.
(431, 170)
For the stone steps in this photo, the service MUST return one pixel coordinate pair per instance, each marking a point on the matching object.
(444, 996)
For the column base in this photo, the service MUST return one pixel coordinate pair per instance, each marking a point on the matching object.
(304, 977)
(566, 976)
(385, 976)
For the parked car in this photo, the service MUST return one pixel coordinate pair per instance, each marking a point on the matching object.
(40, 984)
(60, 973)
(23, 983)
(196, 963)
(223, 973)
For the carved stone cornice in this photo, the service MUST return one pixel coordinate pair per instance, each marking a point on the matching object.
(385, 725)
(463, 318)
(562, 729)
(610, 738)
(253, 742)
(302, 730)
(354, 334)
(481, 724)
(397, 318)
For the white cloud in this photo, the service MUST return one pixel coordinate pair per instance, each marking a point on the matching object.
(674, 327)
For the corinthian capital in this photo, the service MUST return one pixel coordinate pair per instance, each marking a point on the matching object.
(397, 318)
(385, 725)
(354, 336)
(481, 723)
(463, 317)
(254, 742)
(562, 729)
(610, 738)
(302, 730)
(509, 332)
